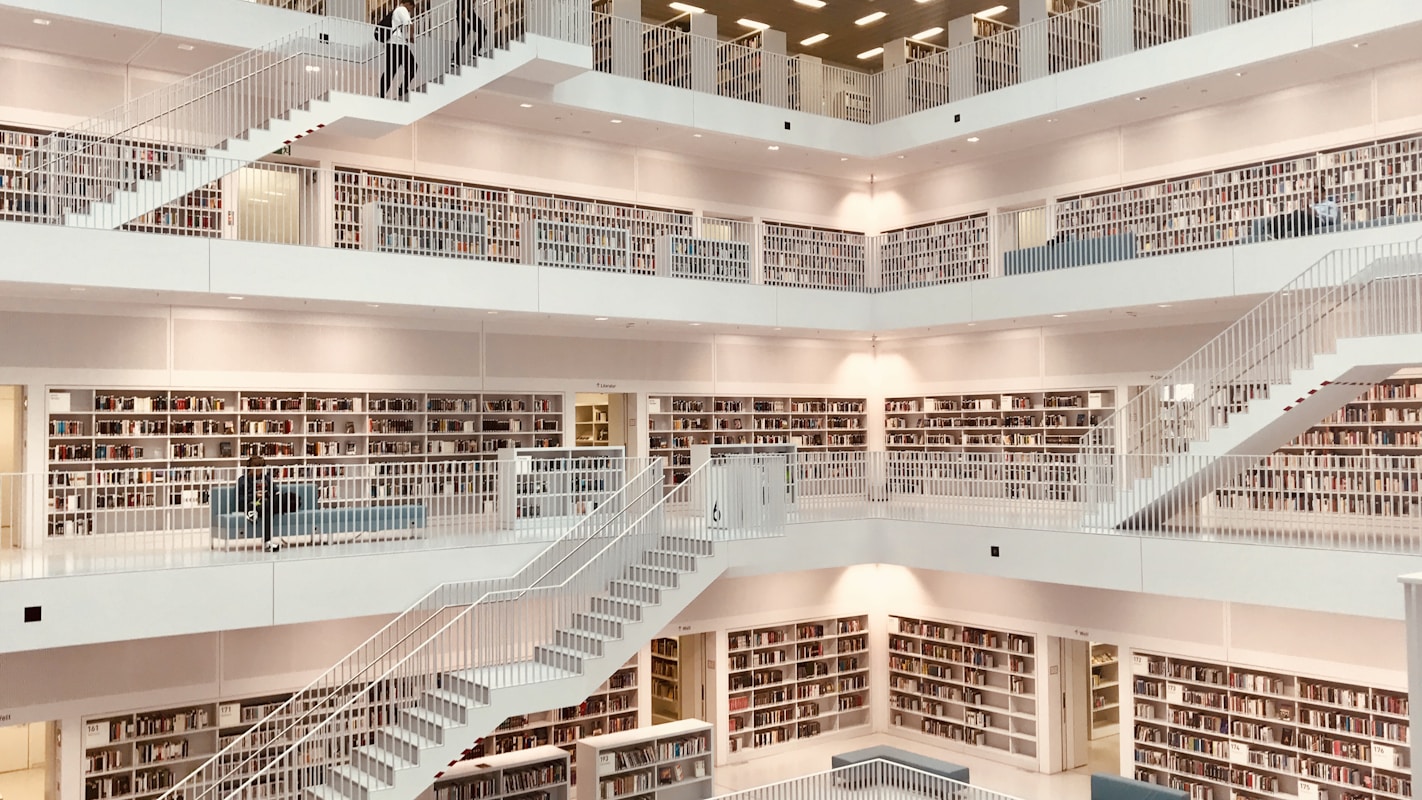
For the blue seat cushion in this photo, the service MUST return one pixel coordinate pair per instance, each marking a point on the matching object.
(1115, 787)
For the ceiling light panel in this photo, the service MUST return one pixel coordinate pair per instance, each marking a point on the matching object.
(816, 39)
(991, 12)
(928, 34)
(686, 8)
(752, 24)
(867, 54)
(812, 3)
(871, 18)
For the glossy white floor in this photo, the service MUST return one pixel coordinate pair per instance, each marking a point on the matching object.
(815, 757)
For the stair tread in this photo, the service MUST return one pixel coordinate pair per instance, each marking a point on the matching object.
(409, 737)
(384, 756)
(325, 792)
(515, 674)
(605, 637)
(565, 650)
(454, 697)
(630, 582)
(606, 617)
(431, 716)
(358, 776)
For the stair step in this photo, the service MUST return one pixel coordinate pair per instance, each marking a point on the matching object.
(402, 742)
(561, 657)
(355, 783)
(645, 593)
(324, 792)
(655, 576)
(629, 610)
(685, 544)
(606, 624)
(379, 763)
(584, 641)
(668, 559)
(464, 684)
(447, 704)
(425, 723)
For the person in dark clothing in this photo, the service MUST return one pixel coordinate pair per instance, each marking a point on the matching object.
(466, 18)
(257, 498)
(1316, 211)
(399, 56)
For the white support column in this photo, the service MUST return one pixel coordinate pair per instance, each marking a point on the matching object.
(1412, 601)
(1035, 44)
(1118, 28)
(627, 38)
(1208, 15)
(812, 85)
(703, 53)
(962, 59)
(774, 74)
(347, 9)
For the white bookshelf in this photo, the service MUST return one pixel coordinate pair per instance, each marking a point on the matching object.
(965, 687)
(794, 681)
(672, 761)
(816, 258)
(566, 244)
(1105, 690)
(640, 226)
(450, 202)
(941, 252)
(546, 486)
(113, 450)
(1048, 421)
(676, 423)
(390, 227)
(1222, 731)
(666, 680)
(704, 259)
(541, 773)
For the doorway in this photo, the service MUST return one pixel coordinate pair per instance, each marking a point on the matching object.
(29, 760)
(12, 461)
(271, 199)
(681, 673)
(1091, 719)
(601, 419)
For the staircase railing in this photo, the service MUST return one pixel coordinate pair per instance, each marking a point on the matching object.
(482, 632)
(1366, 291)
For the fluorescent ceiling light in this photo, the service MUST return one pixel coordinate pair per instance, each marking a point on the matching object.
(750, 23)
(773, 147)
(812, 3)
(617, 122)
(525, 105)
(973, 139)
(686, 8)
(39, 21)
(235, 297)
(185, 47)
(871, 53)
(1059, 316)
(599, 319)
(816, 39)
(872, 18)
(991, 12)
(928, 34)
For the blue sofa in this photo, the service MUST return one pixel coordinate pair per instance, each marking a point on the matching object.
(1070, 253)
(310, 522)
(1114, 787)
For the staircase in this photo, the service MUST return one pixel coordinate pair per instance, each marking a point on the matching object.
(164, 145)
(1348, 322)
(418, 694)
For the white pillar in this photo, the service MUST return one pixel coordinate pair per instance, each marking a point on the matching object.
(1412, 600)
(1208, 15)
(1035, 43)
(703, 53)
(962, 59)
(1118, 28)
(627, 38)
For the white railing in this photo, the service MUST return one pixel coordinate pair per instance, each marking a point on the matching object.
(871, 780)
(460, 628)
(123, 517)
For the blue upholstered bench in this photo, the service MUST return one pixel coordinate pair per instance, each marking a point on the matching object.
(1114, 787)
(932, 766)
(1070, 253)
(231, 526)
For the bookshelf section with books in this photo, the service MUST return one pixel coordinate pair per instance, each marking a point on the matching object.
(704, 259)
(940, 252)
(399, 200)
(672, 761)
(1105, 690)
(541, 485)
(813, 258)
(112, 451)
(796, 681)
(539, 773)
(390, 227)
(666, 680)
(1221, 731)
(965, 687)
(993, 422)
(594, 233)
(677, 422)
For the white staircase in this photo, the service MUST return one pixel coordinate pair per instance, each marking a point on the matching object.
(162, 146)
(418, 694)
(1347, 323)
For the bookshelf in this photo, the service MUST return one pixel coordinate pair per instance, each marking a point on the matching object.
(539, 773)
(407, 198)
(566, 244)
(1160, 21)
(593, 420)
(677, 422)
(854, 107)
(796, 681)
(666, 53)
(1105, 690)
(664, 762)
(591, 221)
(113, 450)
(1363, 460)
(995, 54)
(738, 68)
(941, 252)
(389, 227)
(539, 486)
(704, 259)
(196, 214)
(1077, 42)
(666, 680)
(1222, 731)
(968, 688)
(815, 258)
(1024, 422)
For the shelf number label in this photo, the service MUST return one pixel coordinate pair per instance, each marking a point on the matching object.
(96, 733)
(1239, 752)
(1384, 756)
(1140, 664)
(1308, 790)
(1174, 693)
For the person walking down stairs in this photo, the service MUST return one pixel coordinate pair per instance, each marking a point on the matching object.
(399, 56)
(466, 17)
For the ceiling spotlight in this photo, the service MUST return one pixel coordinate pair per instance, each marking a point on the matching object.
(493, 312)
(812, 3)
(599, 319)
(78, 289)
(991, 12)
(773, 147)
(844, 158)
(696, 136)
(750, 23)
(1059, 316)
(1163, 305)
(872, 18)
(974, 139)
(235, 297)
(185, 47)
(525, 105)
(617, 122)
(312, 68)
(1239, 74)
(373, 305)
(1356, 45)
(1140, 98)
(878, 51)
(39, 21)
(901, 158)
(1050, 120)
(816, 39)
(687, 8)
(695, 324)
(928, 34)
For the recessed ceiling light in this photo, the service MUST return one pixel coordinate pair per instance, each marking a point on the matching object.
(750, 23)
(235, 297)
(599, 319)
(312, 68)
(901, 158)
(1050, 120)
(1163, 305)
(1140, 98)
(1239, 74)
(974, 139)
(696, 136)
(39, 21)
(871, 53)
(373, 305)
(493, 312)
(1059, 316)
(695, 324)
(617, 122)
(991, 12)
(871, 18)
(773, 147)
(816, 39)
(928, 34)
(1356, 45)
(844, 158)
(78, 289)
(525, 105)
(812, 3)
(687, 8)
(972, 324)
(185, 47)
